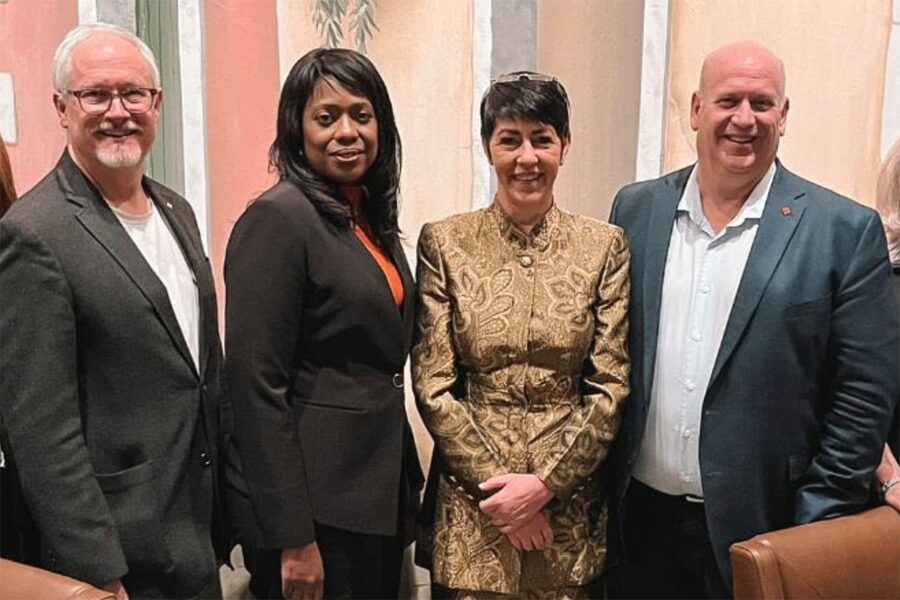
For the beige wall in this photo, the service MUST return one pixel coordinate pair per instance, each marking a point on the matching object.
(29, 34)
(594, 48)
(242, 88)
(834, 53)
(425, 57)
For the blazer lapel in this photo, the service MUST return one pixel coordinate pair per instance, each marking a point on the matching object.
(407, 309)
(103, 225)
(776, 227)
(396, 317)
(196, 263)
(656, 242)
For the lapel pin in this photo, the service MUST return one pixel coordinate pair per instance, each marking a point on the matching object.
(786, 210)
(169, 206)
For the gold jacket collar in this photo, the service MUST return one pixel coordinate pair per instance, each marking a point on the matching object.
(540, 235)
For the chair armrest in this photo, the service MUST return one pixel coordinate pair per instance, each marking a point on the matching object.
(30, 583)
(756, 572)
(857, 556)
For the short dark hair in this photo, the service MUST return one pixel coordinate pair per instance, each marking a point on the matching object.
(525, 95)
(381, 181)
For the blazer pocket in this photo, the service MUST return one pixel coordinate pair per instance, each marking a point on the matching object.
(817, 306)
(132, 499)
(121, 480)
(325, 406)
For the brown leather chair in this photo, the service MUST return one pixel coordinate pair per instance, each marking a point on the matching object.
(847, 557)
(21, 582)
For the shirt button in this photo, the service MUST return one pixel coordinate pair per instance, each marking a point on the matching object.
(686, 478)
(704, 288)
(689, 385)
(525, 260)
(686, 433)
(695, 335)
(204, 459)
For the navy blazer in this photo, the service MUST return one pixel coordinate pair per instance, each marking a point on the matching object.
(315, 352)
(806, 377)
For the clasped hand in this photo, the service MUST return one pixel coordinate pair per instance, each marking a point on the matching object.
(515, 509)
(302, 573)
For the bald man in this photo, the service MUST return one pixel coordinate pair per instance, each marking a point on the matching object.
(763, 343)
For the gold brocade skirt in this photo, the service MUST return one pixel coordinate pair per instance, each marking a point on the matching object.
(567, 593)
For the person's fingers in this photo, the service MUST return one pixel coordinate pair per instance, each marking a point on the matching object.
(514, 540)
(494, 483)
(310, 591)
(489, 506)
(498, 520)
(548, 536)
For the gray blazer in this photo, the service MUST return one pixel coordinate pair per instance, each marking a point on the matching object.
(800, 397)
(115, 433)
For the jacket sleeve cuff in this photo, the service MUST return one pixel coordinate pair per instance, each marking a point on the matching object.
(284, 524)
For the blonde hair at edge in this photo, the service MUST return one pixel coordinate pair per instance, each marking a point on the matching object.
(7, 187)
(887, 199)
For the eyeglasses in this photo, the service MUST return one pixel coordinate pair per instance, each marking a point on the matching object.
(517, 76)
(135, 100)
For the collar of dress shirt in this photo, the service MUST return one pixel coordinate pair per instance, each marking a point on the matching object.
(753, 208)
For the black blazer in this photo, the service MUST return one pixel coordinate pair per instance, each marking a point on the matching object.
(315, 350)
(806, 377)
(115, 433)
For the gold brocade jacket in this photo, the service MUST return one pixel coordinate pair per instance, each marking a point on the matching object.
(519, 366)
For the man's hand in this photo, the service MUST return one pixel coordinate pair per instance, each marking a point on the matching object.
(302, 573)
(518, 500)
(116, 588)
(536, 534)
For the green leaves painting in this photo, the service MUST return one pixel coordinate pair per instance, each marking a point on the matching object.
(329, 15)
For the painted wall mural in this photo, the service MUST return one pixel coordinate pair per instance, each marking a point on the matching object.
(330, 18)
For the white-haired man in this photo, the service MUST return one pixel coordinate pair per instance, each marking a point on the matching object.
(110, 363)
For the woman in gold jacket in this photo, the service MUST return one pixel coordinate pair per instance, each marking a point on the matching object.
(519, 367)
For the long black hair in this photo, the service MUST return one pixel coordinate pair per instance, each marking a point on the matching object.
(381, 181)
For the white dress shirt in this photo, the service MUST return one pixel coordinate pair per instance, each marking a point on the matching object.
(151, 234)
(703, 271)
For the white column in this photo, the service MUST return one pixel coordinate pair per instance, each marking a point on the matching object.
(890, 122)
(193, 111)
(654, 74)
(87, 11)
(8, 129)
(482, 42)
(115, 12)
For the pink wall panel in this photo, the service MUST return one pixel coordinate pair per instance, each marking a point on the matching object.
(242, 86)
(30, 30)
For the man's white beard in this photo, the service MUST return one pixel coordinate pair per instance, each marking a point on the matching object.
(120, 157)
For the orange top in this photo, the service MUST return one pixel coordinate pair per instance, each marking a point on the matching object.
(381, 256)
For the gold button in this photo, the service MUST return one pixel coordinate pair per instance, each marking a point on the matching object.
(525, 260)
